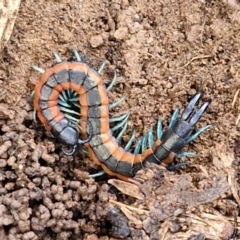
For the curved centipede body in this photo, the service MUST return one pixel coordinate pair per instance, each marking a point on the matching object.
(88, 91)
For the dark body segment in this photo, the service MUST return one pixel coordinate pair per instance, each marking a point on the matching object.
(93, 97)
(52, 82)
(77, 76)
(99, 125)
(99, 139)
(97, 111)
(89, 83)
(62, 76)
(122, 167)
(51, 113)
(102, 153)
(46, 92)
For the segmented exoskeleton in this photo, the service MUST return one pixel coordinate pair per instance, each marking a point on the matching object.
(71, 97)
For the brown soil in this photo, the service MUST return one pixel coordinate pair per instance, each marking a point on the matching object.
(163, 52)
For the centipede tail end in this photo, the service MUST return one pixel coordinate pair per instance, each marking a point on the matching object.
(179, 134)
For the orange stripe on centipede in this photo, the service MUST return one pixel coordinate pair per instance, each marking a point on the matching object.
(38, 88)
(37, 93)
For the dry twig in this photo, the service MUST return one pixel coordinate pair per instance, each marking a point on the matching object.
(8, 14)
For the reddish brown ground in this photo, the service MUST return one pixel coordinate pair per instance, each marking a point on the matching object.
(163, 52)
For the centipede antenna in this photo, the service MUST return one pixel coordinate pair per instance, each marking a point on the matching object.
(119, 137)
(150, 137)
(99, 174)
(159, 129)
(41, 70)
(57, 57)
(109, 88)
(117, 119)
(120, 124)
(174, 117)
(144, 142)
(76, 54)
(130, 142)
(101, 68)
(114, 104)
(138, 147)
(198, 132)
(186, 154)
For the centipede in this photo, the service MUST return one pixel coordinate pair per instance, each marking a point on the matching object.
(71, 101)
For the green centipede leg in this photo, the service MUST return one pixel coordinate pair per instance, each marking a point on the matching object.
(109, 88)
(198, 132)
(114, 104)
(76, 54)
(99, 174)
(121, 124)
(64, 103)
(138, 147)
(130, 142)
(35, 67)
(159, 129)
(34, 115)
(119, 137)
(174, 117)
(67, 110)
(150, 138)
(57, 57)
(177, 165)
(118, 119)
(144, 142)
(186, 154)
(101, 68)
